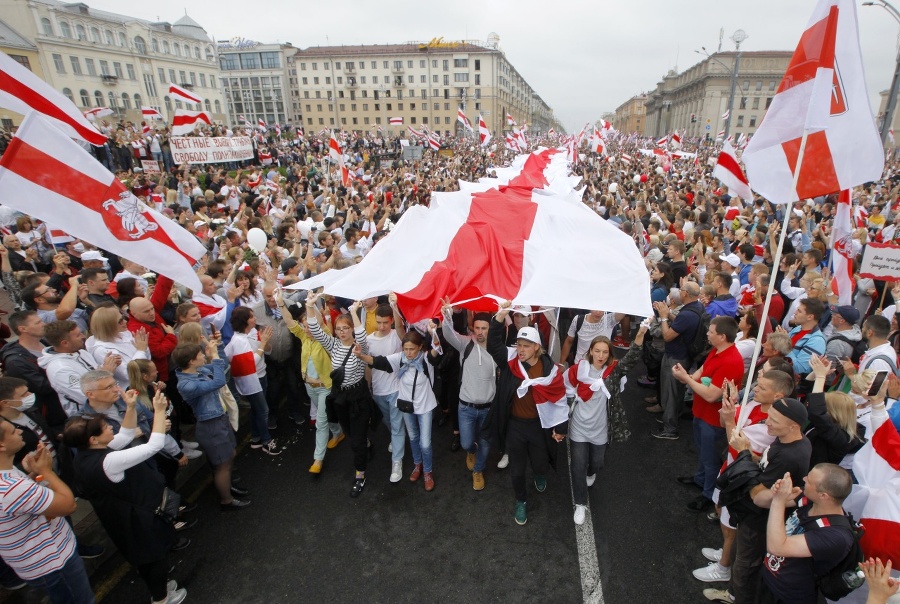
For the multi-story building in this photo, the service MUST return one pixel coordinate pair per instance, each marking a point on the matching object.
(257, 81)
(363, 87)
(696, 99)
(20, 49)
(102, 59)
(630, 115)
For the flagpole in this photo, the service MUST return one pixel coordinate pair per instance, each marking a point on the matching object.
(776, 261)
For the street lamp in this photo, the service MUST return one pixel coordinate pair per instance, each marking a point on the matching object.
(738, 38)
(895, 83)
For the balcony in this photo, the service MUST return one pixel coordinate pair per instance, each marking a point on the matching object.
(187, 85)
(351, 83)
(109, 80)
(398, 83)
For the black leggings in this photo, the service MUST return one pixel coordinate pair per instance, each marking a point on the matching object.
(156, 575)
(353, 415)
(526, 441)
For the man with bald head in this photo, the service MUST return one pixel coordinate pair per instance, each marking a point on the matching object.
(144, 313)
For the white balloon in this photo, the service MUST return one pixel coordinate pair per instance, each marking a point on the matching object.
(659, 170)
(637, 179)
(257, 239)
(613, 187)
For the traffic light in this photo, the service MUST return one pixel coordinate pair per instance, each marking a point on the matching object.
(693, 118)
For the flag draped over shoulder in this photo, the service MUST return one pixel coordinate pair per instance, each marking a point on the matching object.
(47, 175)
(729, 172)
(822, 95)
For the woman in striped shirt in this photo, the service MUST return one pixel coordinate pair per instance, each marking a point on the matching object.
(350, 402)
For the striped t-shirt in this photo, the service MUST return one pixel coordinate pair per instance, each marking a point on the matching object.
(354, 369)
(30, 544)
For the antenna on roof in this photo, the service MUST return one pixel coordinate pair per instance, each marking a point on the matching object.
(677, 51)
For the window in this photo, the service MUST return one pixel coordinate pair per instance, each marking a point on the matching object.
(424, 94)
(212, 81)
(47, 27)
(80, 33)
(316, 80)
(306, 94)
(172, 76)
(249, 60)
(326, 66)
(477, 64)
(388, 105)
(478, 79)
(398, 64)
(165, 47)
(68, 94)
(65, 29)
(76, 65)
(197, 53)
(181, 78)
(413, 119)
(91, 69)
(123, 42)
(477, 106)
(772, 85)
(328, 79)
(410, 79)
(140, 45)
(207, 105)
(446, 65)
(446, 80)
(315, 66)
(460, 77)
(758, 85)
(342, 107)
(126, 101)
(228, 62)
(374, 79)
(319, 107)
(423, 79)
(755, 104)
(743, 102)
(85, 98)
(409, 64)
(399, 107)
(318, 94)
(155, 44)
(362, 79)
(137, 101)
(95, 35)
(434, 79)
(270, 60)
(176, 49)
(460, 62)
(117, 67)
(446, 106)
(434, 63)
(385, 64)
(98, 98)
(58, 63)
(168, 102)
(745, 86)
(210, 55)
(355, 121)
(768, 102)
(753, 121)
(108, 35)
(365, 121)
(740, 121)
(202, 80)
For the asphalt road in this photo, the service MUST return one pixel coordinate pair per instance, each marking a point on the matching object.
(305, 539)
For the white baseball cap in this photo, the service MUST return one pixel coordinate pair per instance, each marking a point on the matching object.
(529, 333)
(92, 255)
(731, 259)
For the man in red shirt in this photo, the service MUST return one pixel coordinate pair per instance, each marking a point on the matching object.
(723, 363)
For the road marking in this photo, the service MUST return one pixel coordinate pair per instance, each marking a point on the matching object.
(591, 586)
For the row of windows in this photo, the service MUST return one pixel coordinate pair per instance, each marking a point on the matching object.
(745, 86)
(397, 65)
(366, 121)
(250, 60)
(410, 79)
(102, 68)
(754, 102)
(140, 44)
(423, 93)
(377, 107)
(112, 101)
(254, 82)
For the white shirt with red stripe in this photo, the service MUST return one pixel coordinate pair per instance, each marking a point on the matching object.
(247, 366)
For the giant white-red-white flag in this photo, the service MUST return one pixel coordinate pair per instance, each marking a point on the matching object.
(22, 91)
(185, 121)
(46, 174)
(822, 95)
(729, 172)
(842, 244)
(183, 95)
(461, 117)
(483, 133)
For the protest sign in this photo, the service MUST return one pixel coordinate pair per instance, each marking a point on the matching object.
(210, 150)
(149, 166)
(881, 261)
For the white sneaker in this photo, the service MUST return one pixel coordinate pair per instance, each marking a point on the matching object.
(718, 595)
(173, 597)
(504, 461)
(390, 447)
(713, 555)
(580, 511)
(591, 479)
(171, 586)
(192, 453)
(713, 573)
(396, 471)
(189, 444)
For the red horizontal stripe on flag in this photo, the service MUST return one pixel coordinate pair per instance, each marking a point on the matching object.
(881, 539)
(728, 162)
(243, 364)
(886, 443)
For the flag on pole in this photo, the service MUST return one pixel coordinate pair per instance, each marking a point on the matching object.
(46, 174)
(150, 113)
(727, 114)
(823, 97)
(663, 142)
(551, 132)
(675, 140)
(720, 134)
(93, 114)
(461, 117)
(483, 132)
(262, 124)
(842, 244)
(729, 172)
(183, 95)
(510, 121)
(22, 91)
(145, 128)
(891, 136)
(433, 141)
(396, 121)
(185, 121)
(334, 150)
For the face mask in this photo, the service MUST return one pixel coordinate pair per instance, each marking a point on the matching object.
(78, 247)
(26, 403)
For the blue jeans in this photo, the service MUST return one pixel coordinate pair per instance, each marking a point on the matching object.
(259, 414)
(471, 426)
(317, 400)
(709, 441)
(419, 429)
(393, 419)
(587, 459)
(68, 585)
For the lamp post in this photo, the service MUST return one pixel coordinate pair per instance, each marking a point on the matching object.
(738, 38)
(895, 83)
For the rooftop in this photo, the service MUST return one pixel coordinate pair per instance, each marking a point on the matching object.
(433, 46)
(10, 38)
(185, 26)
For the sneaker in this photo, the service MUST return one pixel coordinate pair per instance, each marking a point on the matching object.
(713, 573)
(180, 544)
(646, 382)
(183, 525)
(540, 483)
(272, 424)
(580, 511)
(700, 504)
(428, 479)
(416, 473)
(718, 595)
(619, 342)
(239, 491)
(334, 440)
(657, 408)
(390, 447)
(358, 485)
(172, 585)
(189, 444)
(455, 444)
(396, 471)
(521, 515)
(470, 461)
(89, 551)
(316, 467)
(591, 479)
(175, 596)
(477, 481)
(713, 555)
(713, 517)
(192, 453)
(664, 434)
(256, 444)
(270, 448)
(186, 507)
(504, 461)
(235, 505)
(688, 481)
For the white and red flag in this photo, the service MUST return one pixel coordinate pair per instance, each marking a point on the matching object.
(334, 151)
(727, 114)
(22, 91)
(729, 172)
(860, 216)
(433, 141)
(417, 133)
(548, 392)
(461, 117)
(625, 158)
(262, 124)
(47, 175)
(842, 244)
(396, 121)
(185, 121)
(675, 140)
(663, 142)
(93, 114)
(891, 136)
(145, 127)
(510, 121)
(551, 132)
(483, 133)
(59, 236)
(183, 95)
(720, 134)
(150, 113)
(823, 98)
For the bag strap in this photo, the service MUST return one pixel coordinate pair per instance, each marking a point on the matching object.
(347, 358)
(415, 378)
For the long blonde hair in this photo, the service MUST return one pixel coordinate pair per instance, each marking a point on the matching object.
(105, 323)
(842, 410)
(136, 371)
(190, 333)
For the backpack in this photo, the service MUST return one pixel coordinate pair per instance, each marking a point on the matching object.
(466, 352)
(859, 347)
(699, 347)
(579, 321)
(832, 584)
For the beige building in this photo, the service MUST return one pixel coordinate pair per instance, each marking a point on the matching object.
(630, 116)
(20, 49)
(102, 59)
(363, 87)
(695, 99)
(879, 117)
(258, 80)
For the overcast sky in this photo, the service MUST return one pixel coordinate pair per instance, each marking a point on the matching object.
(581, 57)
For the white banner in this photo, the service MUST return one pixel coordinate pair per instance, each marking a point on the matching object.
(210, 150)
(881, 261)
(150, 166)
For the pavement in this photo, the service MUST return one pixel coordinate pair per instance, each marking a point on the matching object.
(305, 539)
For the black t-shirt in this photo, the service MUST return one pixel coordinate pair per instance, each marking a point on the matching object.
(776, 460)
(794, 579)
(679, 270)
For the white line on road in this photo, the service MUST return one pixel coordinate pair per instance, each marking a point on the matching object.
(591, 586)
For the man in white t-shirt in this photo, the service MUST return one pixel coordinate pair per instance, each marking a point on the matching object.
(231, 194)
(384, 341)
(587, 327)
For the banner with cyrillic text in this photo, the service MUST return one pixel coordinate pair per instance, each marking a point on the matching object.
(881, 261)
(210, 150)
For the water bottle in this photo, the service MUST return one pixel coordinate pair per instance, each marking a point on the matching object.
(854, 578)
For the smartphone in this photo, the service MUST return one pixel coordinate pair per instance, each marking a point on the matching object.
(877, 382)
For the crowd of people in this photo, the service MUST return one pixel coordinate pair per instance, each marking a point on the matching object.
(114, 377)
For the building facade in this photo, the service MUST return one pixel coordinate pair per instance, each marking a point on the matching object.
(102, 59)
(21, 50)
(695, 100)
(362, 87)
(257, 81)
(630, 116)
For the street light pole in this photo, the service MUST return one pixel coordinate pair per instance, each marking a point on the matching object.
(895, 83)
(738, 38)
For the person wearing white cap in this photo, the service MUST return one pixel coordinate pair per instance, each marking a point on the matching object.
(730, 262)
